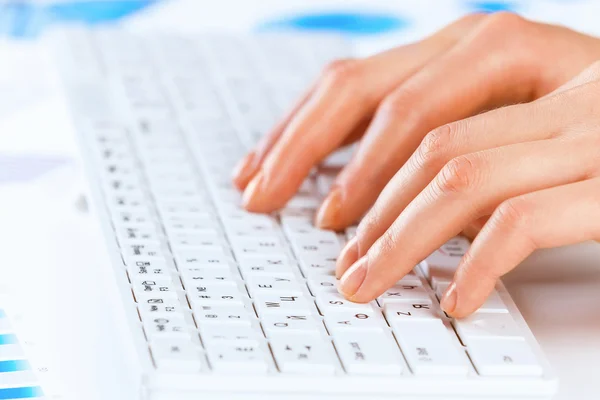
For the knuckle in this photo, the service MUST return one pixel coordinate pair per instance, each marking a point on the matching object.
(512, 215)
(502, 22)
(459, 175)
(402, 103)
(474, 16)
(508, 41)
(433, 148)
(341, 72)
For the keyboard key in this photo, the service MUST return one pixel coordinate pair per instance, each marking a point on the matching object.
(216, 293)
(168, 326)
(322, 283)
(136, 233)
(192, 259)
(202, 242)
(428, 348)
(410, 311)
(266, 266)
(316, 264)
(274, 285)
(173, 355)
(368, 353)
(197, 276)
(410, 278)
(190, 226)
(150, 310)
(300, 354)
(238, 356)
(156, 270)
(493, 304)
(258, 245)
(484, 325)
(149, 289)
(222, 314)
(349, 321)
(141, 249)
(283, 304)
(334, 302)
(327, 248)
(404, 293)
(503, 357)
(215, 333)
(293, 323)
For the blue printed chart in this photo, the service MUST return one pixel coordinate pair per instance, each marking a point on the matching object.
(25, 371)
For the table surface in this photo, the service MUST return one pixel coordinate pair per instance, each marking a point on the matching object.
(51, 251)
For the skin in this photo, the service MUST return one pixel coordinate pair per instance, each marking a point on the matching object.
(488, 127)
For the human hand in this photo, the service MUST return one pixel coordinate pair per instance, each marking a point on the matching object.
(391, 100)
(532, 167)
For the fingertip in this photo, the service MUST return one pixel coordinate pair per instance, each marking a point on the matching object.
(258, 196)
(347, 257)
(252, 198)
(245, 170)
(353, 279)
(328, 215)
(463, 298)
(448, 302)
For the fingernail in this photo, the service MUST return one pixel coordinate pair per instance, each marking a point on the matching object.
(245, 170)
(347, 257)
(353, 278)
(448, 302)
(253, 191)
(328, 214)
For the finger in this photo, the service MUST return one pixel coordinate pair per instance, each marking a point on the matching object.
(466, 189)
(348, 92)
(439, 93)
(590, 74)
(548, 218)
(509, 125)
(249, 165)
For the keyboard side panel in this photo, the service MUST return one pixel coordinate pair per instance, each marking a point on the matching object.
(85, 93)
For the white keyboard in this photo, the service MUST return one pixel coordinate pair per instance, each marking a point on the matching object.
(223, 303)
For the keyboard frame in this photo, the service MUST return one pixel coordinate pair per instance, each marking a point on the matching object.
(154, 385)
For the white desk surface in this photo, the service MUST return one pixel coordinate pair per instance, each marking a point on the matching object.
(55, 261)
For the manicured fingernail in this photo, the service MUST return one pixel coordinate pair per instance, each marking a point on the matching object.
(328, 214)
(448, 302)
(353, 278)
(253, 191)
(347, 257)
(245, 170)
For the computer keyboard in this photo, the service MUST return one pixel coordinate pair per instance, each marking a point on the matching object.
(223, 303)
